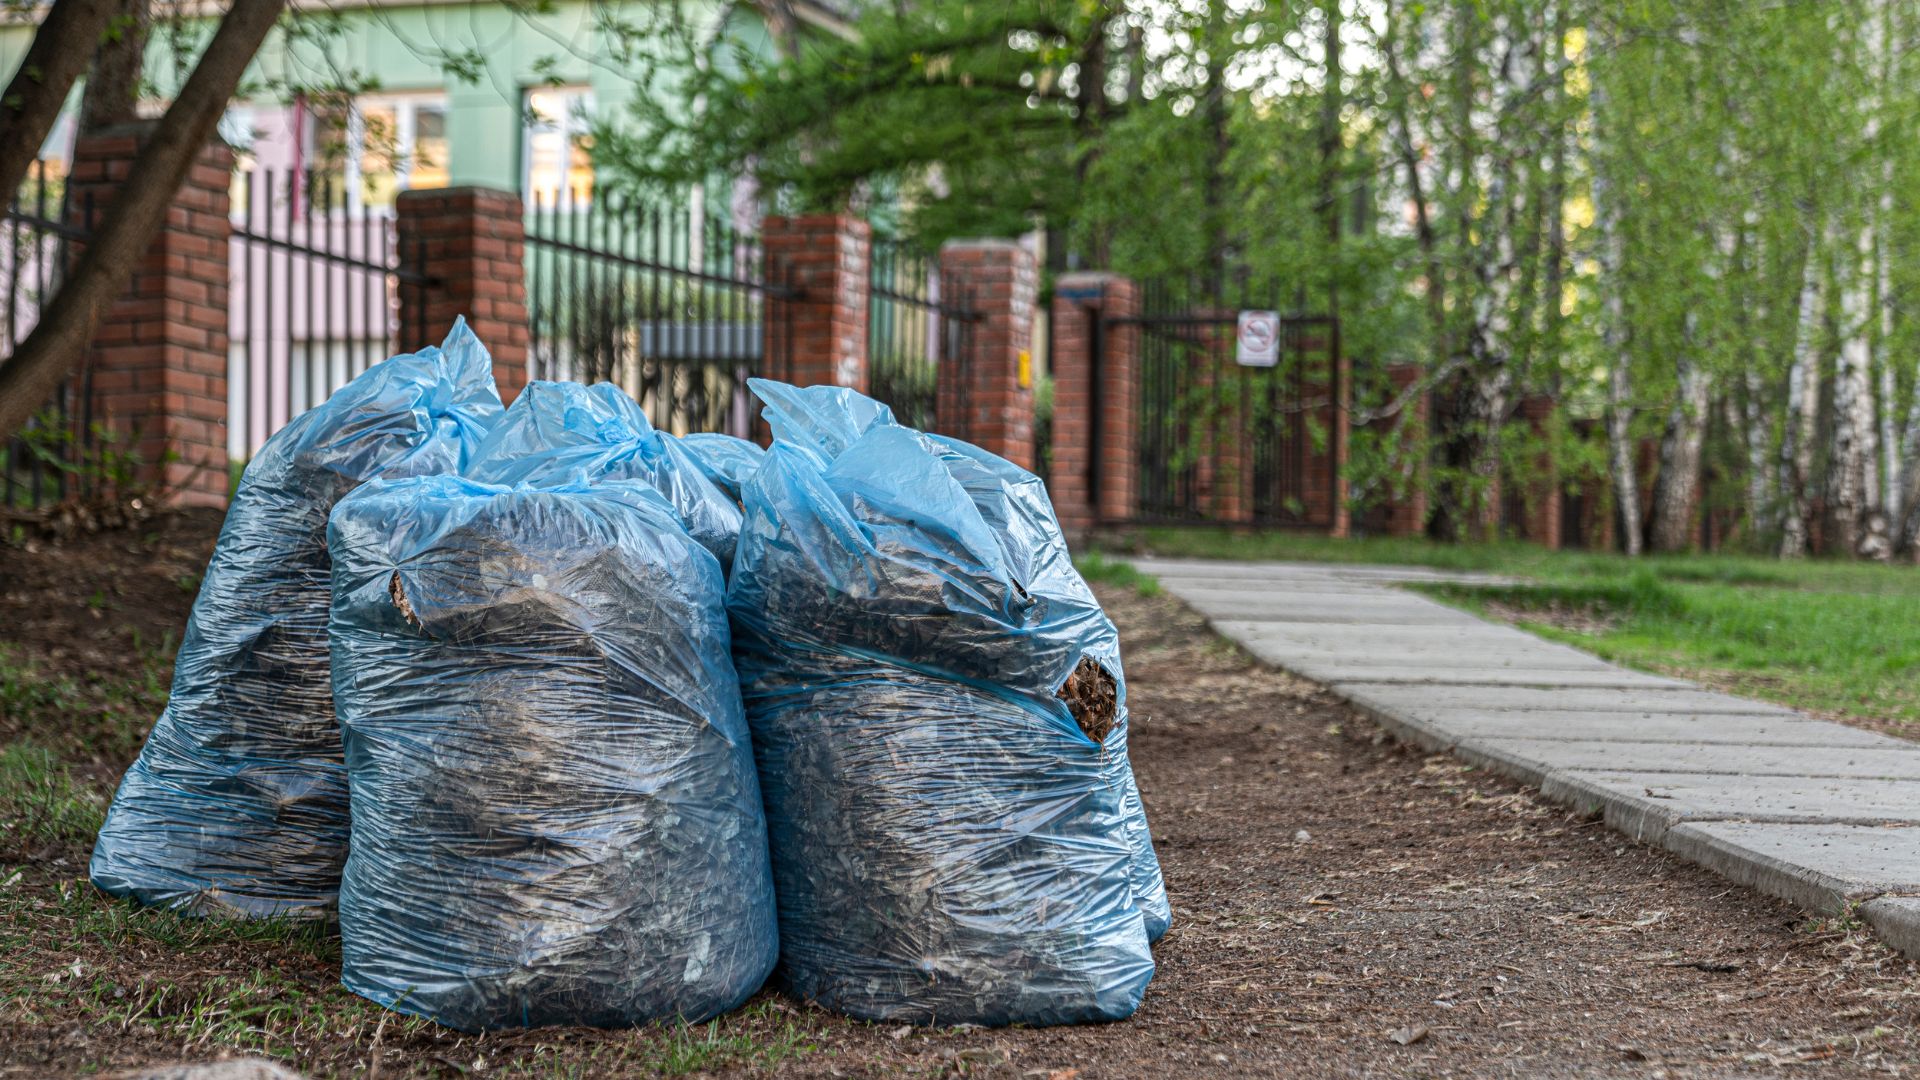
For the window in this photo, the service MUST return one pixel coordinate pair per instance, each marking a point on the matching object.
(559, 158)
(366, 150)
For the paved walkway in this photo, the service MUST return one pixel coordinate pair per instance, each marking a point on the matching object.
(1818, 813)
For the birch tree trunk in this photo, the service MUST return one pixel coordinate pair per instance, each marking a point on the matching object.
(1755, 422)
(1851, 485)
(1803, 405)
(1856, 509)
(1678, 481)
(1613, 328)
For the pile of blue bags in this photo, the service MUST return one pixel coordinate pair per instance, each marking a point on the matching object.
(569, 720)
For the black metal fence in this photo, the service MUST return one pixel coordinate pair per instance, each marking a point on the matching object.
(45, 463)
(1204, 423)
(315, 299)
(670, 303)
(914, 327)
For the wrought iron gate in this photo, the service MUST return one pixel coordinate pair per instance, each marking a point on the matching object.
(1218, 442)
(669, 302)
(316, 295)
(916, 328)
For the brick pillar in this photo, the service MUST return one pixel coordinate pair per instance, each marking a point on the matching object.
(817, 335)
(158, 366)
(469, 243)
(1093, 477)
(986, 393)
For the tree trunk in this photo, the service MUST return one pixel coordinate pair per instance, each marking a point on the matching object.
(75, 313)
(61, 50)
(112, 95)
(1851, 484)
(1674, 489)
(1620, 448)
(1803, 409)
(1214, 108)
(1754, 421)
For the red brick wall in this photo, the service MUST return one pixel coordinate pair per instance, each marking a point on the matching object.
(471, 243)
(818, 337)
(159, 363)
(1087, 491)
(981, 396)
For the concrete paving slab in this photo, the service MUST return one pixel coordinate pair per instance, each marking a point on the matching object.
(1819, 867)
(1436, 655)
(1274, 642)
(1256, 612)
(1493, 652)
(1327, 588)
(1741, 759)
(1282, 602)
(1170, 570)
(1665, 799)
(1668, 728)
(1692, 702)
(1167, 569)
(1429, 673)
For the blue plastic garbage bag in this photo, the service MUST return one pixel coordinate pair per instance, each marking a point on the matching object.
(726, 459)
(238, 802)
(560, 432)
(555, 814)
(950, 836)
(1014, 504)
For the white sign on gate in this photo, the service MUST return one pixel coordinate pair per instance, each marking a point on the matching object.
(1258, 342)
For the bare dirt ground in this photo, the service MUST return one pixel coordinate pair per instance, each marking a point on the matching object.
(1343, 907)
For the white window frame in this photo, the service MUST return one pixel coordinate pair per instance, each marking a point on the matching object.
(406, 107)
(576, 122)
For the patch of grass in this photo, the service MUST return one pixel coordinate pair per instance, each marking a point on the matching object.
(1834, 652)
(70, 956)
(103, 718)
(687, 1048)
(1097, 567)
(42, 806)
(87, 916)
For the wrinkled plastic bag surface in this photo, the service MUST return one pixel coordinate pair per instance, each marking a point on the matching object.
(566, 432)
(726, 459)
(238, 802)
(555, 813)
(949, 845)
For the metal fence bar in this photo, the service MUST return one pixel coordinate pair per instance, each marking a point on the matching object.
(670, 307)
(317, 292)
(41, 464)
(912, 330)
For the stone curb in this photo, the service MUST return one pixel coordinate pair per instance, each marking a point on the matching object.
(1897, 920)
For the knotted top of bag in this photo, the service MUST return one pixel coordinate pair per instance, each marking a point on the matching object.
(560, 433)
(414, 414)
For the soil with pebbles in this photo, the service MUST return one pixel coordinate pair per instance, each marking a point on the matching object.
(1343, 907)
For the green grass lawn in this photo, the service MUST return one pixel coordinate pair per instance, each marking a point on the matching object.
(1834, 637)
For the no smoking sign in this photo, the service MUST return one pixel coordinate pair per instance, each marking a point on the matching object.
(1257, 343)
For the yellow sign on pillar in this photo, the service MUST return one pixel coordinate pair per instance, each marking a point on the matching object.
(1025, 369)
